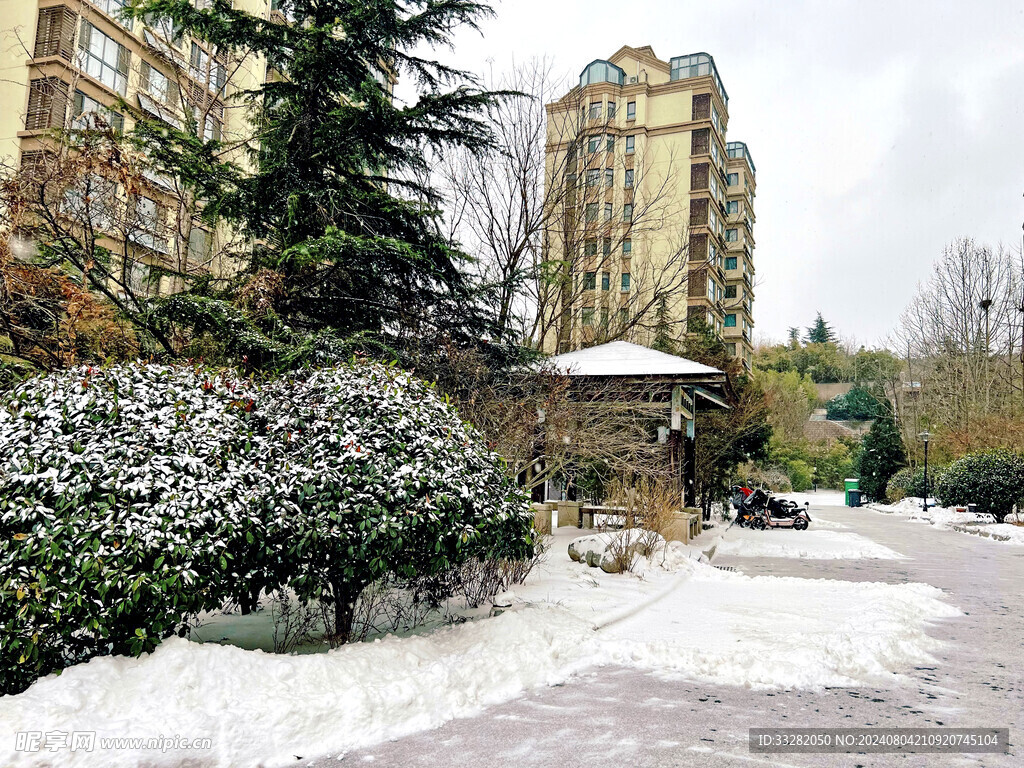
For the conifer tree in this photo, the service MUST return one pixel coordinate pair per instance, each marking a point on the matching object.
(820, 332)
(883, 454)
(335, 202)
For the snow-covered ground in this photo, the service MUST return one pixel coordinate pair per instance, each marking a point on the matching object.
(675, 616)
(912, 508)
(812, 544)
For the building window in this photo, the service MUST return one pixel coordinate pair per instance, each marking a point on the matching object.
(606, 281)
(595, 110)
(731, 349)
(623, 315)
(733, 179)
(609, 144)
(593, 143)
(627, 212)
(103, 58)
(629, 178)
(209, 70)
(627, 246)
(609, 177)
(730, 321)
(630, 145)
(730, 262)
(112, 8)
(590, 248)
(731, 235)
(606, 246)
(158, 85)
(593, 177)
(733, 206)
(591, 213)
(611, 110)
(588, 316)
(200, 244)
(730, 291)
(589, 281)
(625, 282)
(631, 110)
(608, 211)
(88, 109)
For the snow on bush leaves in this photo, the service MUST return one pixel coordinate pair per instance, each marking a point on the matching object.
(132, 497)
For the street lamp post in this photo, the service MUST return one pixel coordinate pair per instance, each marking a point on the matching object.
(924, 436)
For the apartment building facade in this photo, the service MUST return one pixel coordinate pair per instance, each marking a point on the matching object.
(638, 171)
(69, 64)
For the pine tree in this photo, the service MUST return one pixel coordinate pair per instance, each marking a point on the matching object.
(820, 332)
(883, 454)
(794, 337)
(334, 202)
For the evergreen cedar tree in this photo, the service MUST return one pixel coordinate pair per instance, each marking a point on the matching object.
(333, 199)
(820, 332)
(882, 456)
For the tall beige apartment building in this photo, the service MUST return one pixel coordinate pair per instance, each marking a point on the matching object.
(650, 208)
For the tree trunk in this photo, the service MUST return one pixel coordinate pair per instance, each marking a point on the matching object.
(345, 596)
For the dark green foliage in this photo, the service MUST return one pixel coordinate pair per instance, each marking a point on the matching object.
(994, 480)
(882, 456)
(856, 405)
(335, 198)
(910, 482)
(820, 332)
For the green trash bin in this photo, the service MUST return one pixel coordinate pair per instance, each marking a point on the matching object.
(850, 484)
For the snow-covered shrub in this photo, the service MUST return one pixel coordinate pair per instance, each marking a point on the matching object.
(122, 492)
(135, 496)
(994, 480)
(390, 481)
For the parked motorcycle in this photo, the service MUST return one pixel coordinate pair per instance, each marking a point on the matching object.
(793, 517)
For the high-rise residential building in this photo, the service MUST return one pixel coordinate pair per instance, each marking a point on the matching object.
(741, 185)
(642, 217)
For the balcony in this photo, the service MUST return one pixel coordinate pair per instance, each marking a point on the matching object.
(737, 150)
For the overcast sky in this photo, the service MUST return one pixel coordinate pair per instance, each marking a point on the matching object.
(880, 130)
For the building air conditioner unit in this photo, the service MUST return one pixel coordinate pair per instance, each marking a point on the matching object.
(632, 79)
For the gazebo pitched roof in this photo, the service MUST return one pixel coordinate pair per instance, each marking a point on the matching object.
(622, 358)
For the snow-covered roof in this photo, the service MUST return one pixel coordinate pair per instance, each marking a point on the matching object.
(622, 358)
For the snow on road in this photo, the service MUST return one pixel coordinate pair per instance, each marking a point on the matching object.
(811, 544)
(678, 616)
(912, 509)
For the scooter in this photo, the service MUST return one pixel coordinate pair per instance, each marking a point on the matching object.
(799, 520)
(751, 507)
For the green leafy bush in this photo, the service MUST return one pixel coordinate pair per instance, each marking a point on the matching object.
(994, 480)
(910, 482)
(135, 496)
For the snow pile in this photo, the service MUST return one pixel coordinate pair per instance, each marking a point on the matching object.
(811, 544)
(261, 709)
(1004, 532)
(949, 519)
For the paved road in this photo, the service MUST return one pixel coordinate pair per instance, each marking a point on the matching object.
(616, 716)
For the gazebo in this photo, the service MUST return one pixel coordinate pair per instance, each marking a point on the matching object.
(682, 386)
